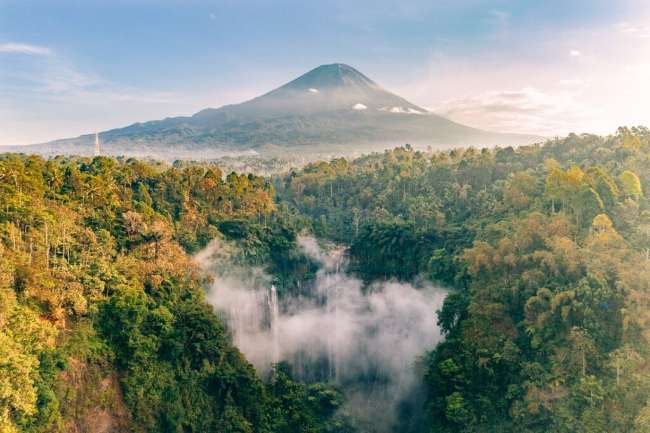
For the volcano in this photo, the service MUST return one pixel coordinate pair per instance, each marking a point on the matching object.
(332, 108)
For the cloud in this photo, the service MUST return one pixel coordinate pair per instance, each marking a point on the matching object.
(597, 83)
(60, 78)
(523, 110)
(59, 93)
(630, 29)
(380, 331)
(57, 79)
(20, 48)
(625, 27)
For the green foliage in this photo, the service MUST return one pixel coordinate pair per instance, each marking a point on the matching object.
(95, 286)
(631, 184)
(275, 247)
(545, 250)
(299, 408)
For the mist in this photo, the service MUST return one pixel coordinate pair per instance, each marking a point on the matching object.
(366, 340)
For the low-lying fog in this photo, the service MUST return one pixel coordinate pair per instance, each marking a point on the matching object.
(367, 341)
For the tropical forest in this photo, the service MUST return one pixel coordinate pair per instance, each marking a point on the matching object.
(482, 290)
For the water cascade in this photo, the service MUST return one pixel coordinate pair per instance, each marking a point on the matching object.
(274, 319)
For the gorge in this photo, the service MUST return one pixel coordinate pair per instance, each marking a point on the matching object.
(368, 340)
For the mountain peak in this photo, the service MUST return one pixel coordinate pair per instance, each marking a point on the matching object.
(334, 75)
(332, 104)
(326, 88)
(330, 87)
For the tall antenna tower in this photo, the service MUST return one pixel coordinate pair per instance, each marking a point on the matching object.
(98, 150)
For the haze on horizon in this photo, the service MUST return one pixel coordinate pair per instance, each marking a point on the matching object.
(547, 68)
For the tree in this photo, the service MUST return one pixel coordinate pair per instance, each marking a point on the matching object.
(602, 223)
(631, 184)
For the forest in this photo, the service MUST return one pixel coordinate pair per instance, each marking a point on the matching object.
(544, 251)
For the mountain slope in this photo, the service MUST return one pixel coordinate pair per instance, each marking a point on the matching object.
(330, 108)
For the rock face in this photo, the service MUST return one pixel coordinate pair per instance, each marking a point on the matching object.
(92, 400)
(331, 107)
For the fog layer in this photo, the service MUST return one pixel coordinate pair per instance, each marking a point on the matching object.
(366, 340)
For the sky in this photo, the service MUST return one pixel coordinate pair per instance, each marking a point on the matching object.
(551, 67)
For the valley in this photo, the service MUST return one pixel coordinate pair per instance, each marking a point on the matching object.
(404, 291)
(364, 339)
(336, 216)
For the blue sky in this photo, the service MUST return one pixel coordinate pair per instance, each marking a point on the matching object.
(550, 67)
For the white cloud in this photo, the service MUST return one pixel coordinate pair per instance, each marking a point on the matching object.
(639, 31)
(523, 110)
(575, 53)
(625, 27)
(67, 100)
(20, 48)
(538, 91)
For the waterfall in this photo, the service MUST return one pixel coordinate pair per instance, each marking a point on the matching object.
(365, 340)
(330, 280)
(274, 316)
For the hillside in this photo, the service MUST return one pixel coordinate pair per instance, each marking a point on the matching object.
(108, 323)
